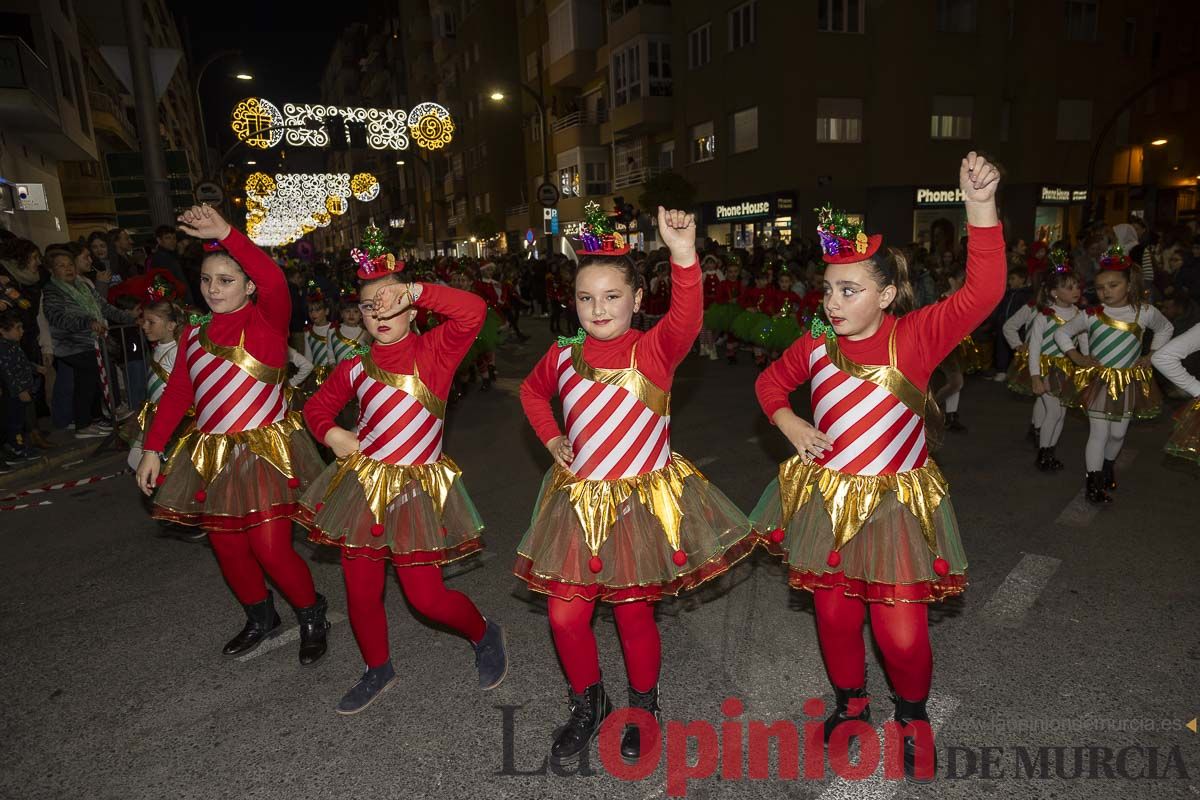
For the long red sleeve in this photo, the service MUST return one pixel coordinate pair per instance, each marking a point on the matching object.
(273, 300)
(435, 355)
(659, 352)
(321, 410)
(923, 337)
(176, 398)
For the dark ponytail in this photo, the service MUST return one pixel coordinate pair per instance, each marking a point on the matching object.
(890, 268)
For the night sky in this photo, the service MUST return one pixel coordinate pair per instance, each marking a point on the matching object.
(284, 46)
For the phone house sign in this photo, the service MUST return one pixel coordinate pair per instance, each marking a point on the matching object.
(749, 209)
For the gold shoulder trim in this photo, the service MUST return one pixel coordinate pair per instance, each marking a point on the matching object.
(1128, 327)
(241, 358)
(409, 384)
(886, 377)
(629, 379)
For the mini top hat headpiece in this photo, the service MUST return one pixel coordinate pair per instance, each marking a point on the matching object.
(1114, 259)
(159, 289)
(375, 261)
(843, 241)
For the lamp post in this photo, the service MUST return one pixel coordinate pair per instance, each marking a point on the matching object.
(208, 62)
(540, 101)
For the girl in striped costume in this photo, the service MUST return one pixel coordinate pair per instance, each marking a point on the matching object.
(240, 472)
(319, 338)
(393, 496)
(1115, 383)
(162, 323)
(1051, 374)
(861, 514)
(1017, 377)
(1185, 441)
(620, 517)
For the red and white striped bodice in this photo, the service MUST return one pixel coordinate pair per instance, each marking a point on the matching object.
(400, 420)
(618, 422)
(233, 390)
(873, 430)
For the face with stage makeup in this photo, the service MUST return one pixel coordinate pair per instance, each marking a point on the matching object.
(390, 327)
(605, 296)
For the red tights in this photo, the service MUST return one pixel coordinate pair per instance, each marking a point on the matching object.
(245, 556)
(900, 630)
(425, 591)
(571, 624)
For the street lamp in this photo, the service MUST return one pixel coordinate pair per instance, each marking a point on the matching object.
(540, 100)
(204, 162)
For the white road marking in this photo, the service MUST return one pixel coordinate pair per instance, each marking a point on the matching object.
(1020, 590)
(290, 635)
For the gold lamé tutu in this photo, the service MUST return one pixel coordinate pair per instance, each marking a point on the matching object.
(885, 558)
(410, 514)
(228, 482)
(1185, 441)
(1057, 372)
(969, 357)
(634, 527)
(134, 431)
(1114, 393)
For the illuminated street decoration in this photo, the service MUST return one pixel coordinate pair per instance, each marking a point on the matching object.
(259, 123)
(282, 208)
(431, 126)
(364, 186)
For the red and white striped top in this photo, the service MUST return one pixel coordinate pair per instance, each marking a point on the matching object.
(873, 432)
(399, 418)
(234, 391)
(613, 430)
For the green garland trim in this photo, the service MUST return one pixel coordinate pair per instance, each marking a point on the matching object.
(567, 341)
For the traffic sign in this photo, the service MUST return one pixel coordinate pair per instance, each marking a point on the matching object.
(209, 192)
(547, 194)
(549, 221)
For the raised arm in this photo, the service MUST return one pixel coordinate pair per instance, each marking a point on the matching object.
(672, 338)
(1168, 360)
(274, 300)
(943, 325)
(463, 314)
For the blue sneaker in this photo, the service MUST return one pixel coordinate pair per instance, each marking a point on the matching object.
(491, 656)
(373, 683)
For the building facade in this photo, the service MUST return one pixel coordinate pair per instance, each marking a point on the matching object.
(45, 116)
(769, 108)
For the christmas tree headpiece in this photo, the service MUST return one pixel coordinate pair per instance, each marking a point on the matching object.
(1115, 260)
(375, 261)
(1060, 260)
(597, 234)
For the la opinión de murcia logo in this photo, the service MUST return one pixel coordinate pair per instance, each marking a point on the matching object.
(736, 749)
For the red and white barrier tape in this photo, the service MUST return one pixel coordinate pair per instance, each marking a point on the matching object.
(103, 377)
(26, 505)
(53, 487)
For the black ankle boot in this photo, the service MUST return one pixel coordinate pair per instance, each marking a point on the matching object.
(953, 424)
(1046, 462)
(261, 623)
(1095, 489)
(1108, 477)
(588, 710)
(920, 754)
(841, 709)
(313, 626)
(631, 738)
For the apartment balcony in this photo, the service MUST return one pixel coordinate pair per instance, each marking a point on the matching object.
(578, 129)
(109, 116)
(28, 104)
(623, 181)
(630, 18)
(643, 115)
(574, 70)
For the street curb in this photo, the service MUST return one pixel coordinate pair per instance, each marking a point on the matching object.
(76, 449)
